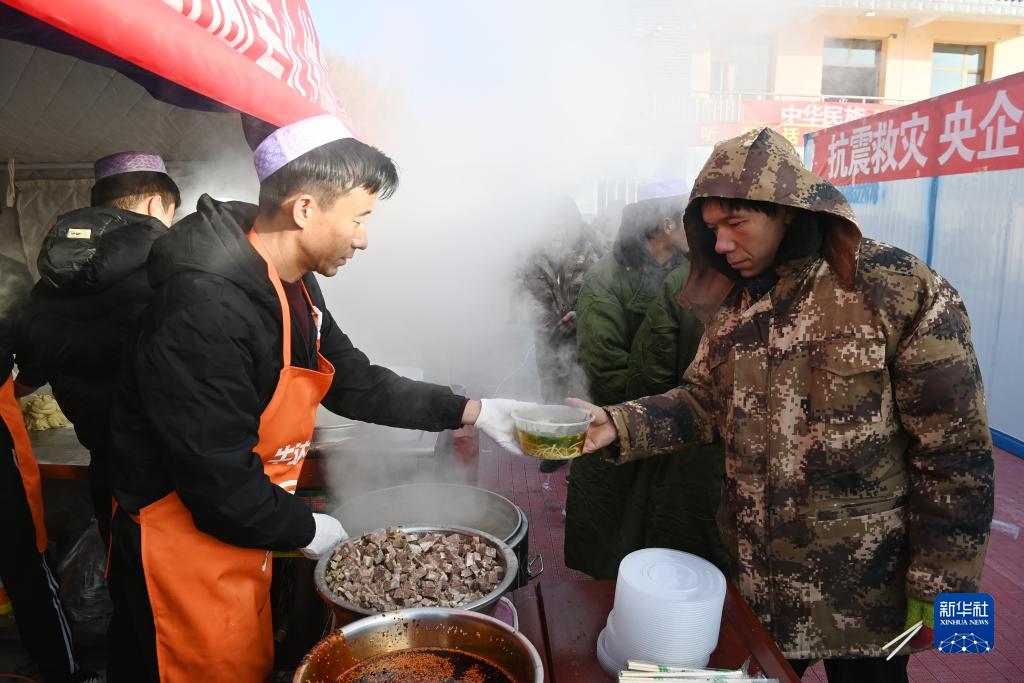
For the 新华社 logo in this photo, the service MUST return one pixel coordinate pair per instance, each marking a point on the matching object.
(965, 623)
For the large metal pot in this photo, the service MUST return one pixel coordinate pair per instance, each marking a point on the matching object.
(346, 612)
(468, 632)
(446, 504)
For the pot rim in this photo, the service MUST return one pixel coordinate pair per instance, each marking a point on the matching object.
(511, 564)
(413, 613)
(523, 521)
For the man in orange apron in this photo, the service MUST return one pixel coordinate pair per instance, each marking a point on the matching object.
(25, 568)
(218, 402)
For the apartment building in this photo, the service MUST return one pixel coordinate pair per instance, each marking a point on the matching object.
(829, 62)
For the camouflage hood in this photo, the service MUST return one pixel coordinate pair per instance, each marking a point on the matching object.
(761, 165)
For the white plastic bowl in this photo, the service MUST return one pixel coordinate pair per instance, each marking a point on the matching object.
(668, 607)
(552, 432)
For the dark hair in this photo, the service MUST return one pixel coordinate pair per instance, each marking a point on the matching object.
(330, 171)
(736, 203)
(125, 190)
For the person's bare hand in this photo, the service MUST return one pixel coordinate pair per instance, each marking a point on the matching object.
(602, 431)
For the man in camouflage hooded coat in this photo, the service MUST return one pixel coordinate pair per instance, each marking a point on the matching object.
(841, 379)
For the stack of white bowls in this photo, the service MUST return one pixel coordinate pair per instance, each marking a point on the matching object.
(668, 607)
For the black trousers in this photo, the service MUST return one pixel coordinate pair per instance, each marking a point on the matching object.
(859, 670)
(131, 640)
(100, 493)
(30, 580)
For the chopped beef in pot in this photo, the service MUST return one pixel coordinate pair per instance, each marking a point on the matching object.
(390, 569)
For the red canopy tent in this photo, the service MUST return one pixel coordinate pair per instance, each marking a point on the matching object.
(69, 93)
(261, 57)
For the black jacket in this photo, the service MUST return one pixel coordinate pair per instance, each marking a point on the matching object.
(15, 283)
(206, 364)
(83, 311)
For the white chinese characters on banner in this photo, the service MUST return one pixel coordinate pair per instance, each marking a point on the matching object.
(897, 145)
(860, 150)
(873, 149)
(883, 147)
(958, 130)
(837, 148)
(912, 136)
(278, 35)
(995, 136)
(821, 115)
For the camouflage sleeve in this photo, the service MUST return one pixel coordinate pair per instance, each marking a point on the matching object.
(941, 403)
(660, 424)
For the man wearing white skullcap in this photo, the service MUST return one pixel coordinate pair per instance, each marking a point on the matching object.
(218, 405)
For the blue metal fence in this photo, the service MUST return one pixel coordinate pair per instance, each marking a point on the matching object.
(970, 229)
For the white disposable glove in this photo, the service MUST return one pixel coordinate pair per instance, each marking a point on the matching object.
(329, 533)
(495, 420)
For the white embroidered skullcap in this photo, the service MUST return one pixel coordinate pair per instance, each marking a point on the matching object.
(128, 162)
(292, 141)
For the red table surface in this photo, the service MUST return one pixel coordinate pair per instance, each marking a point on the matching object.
(564, 618)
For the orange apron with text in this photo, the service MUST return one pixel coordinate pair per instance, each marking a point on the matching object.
(10, 411)
(211, 600)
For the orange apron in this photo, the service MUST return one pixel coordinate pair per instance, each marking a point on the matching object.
(210, 599)
(10, 410)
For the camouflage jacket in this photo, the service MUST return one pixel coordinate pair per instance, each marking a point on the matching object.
(553, 280)
(858, 456)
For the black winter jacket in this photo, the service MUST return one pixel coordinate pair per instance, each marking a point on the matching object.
(15, 284)
(206, 364)
(84, 310)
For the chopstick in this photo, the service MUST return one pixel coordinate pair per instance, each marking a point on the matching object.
(903, 639)
(636, 666)
(639, 672)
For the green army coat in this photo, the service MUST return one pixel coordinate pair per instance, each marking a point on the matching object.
(672, 501)
(613, 302)
(857, 451)
(633, 335)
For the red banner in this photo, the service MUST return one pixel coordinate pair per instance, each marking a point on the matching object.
(814, 115)
(968, 131)
(261, 57)
(791, 118)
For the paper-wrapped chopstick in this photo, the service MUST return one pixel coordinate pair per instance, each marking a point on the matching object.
(638, 666)
(654, 677)
(647, 672)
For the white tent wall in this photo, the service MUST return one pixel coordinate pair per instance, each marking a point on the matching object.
(56, 110)
(39, 203)
(58, 114)
(970, 229)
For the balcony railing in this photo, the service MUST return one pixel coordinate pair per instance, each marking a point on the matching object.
(981, 8)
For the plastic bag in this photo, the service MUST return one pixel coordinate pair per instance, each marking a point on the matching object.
(83, 586)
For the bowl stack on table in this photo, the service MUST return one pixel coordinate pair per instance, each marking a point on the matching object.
(668, 609)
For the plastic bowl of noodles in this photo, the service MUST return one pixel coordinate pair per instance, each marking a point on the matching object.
(552, 432)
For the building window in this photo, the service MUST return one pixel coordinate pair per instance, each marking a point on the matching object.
(956, 66)
(743, 67)
(851, 68)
